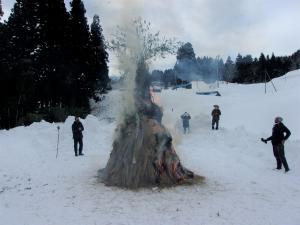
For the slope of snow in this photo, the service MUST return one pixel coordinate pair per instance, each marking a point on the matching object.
(241, 186)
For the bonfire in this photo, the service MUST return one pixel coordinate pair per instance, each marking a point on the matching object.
(143, 154)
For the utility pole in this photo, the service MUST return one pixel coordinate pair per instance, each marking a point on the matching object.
(271, 81)
(267, 74)
(175, 76)
(218, 78)
(265, 82)
(57, 141)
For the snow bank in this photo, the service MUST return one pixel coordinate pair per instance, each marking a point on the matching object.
(240, 188)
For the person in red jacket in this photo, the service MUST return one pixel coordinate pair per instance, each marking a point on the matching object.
(280, 134)
(216, 113)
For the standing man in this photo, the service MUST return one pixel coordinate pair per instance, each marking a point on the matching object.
(77, 129)
(280, 134)
(186, 122)
(216, 113)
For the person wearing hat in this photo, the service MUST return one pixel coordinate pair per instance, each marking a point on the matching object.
(77, 129)
(280, 134)
(186, 122)
(216, 113)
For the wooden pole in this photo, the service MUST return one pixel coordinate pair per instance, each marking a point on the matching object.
(265, 83)
(57, 141)
(271, 82)
(218, 79)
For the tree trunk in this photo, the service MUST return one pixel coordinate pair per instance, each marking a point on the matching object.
(1, 11)
(8, 116)
(17, 110)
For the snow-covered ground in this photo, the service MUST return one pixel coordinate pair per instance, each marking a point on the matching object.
(241, 187)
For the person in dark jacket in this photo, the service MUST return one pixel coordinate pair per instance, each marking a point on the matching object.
(77, 129)
(216, 113)
(280, 134)
(186, 122)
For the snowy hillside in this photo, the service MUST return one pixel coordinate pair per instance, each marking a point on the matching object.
(241, 186)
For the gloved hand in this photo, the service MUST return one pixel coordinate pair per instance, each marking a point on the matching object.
(264, 140)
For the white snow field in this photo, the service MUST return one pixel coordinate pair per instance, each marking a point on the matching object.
(241, 186)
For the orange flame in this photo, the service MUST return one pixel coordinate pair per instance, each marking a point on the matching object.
(155, 98)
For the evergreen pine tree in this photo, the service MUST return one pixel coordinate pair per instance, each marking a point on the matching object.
(54, 55)
(1, 11)
(4, 85)
(20, 57)
(99, 57)
(49, 61)
(272, 66)
(81, 51)
(186, 65)
(262, 66)
(229, 69)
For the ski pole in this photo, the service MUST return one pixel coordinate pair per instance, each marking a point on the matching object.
(57, 141)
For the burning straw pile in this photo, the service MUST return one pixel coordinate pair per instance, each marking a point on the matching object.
(143, 154)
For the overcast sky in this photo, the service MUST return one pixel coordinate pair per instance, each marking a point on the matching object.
(214, 27)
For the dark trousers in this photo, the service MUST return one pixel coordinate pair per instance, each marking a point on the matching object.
(215, 121)
(76, 142)
(278, 151)
(186, 129)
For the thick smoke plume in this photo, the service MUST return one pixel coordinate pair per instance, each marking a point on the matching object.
(143, 154)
